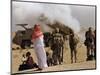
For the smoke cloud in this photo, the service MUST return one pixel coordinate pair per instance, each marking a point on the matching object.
(32, 13)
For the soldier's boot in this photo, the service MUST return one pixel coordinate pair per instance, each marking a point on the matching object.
(71, 59)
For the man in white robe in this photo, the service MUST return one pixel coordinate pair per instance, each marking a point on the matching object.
(37, 39)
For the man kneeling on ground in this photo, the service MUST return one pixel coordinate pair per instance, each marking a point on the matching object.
(28, 63)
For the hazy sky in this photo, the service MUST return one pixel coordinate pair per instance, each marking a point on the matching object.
(84, 14)
(81, 15)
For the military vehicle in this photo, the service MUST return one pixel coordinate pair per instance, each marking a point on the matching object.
(23, 37)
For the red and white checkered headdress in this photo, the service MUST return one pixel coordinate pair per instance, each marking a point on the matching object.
(37, 32)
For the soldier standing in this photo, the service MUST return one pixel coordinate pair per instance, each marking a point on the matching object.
(89, 43)
(73, 44)
(56, 47)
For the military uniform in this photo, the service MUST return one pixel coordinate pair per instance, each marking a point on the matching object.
(73, 44)
(89, 42)
(56, 47)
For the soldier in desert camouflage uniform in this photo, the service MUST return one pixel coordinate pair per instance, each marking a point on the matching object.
(56, 47)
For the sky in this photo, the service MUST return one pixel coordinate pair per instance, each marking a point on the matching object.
(74, 16)
(84, 14)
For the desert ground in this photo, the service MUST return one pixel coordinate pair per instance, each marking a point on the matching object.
(66, 65)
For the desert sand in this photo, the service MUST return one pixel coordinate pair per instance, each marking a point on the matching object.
(66, 65)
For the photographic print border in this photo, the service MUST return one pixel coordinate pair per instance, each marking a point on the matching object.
(60, 4)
